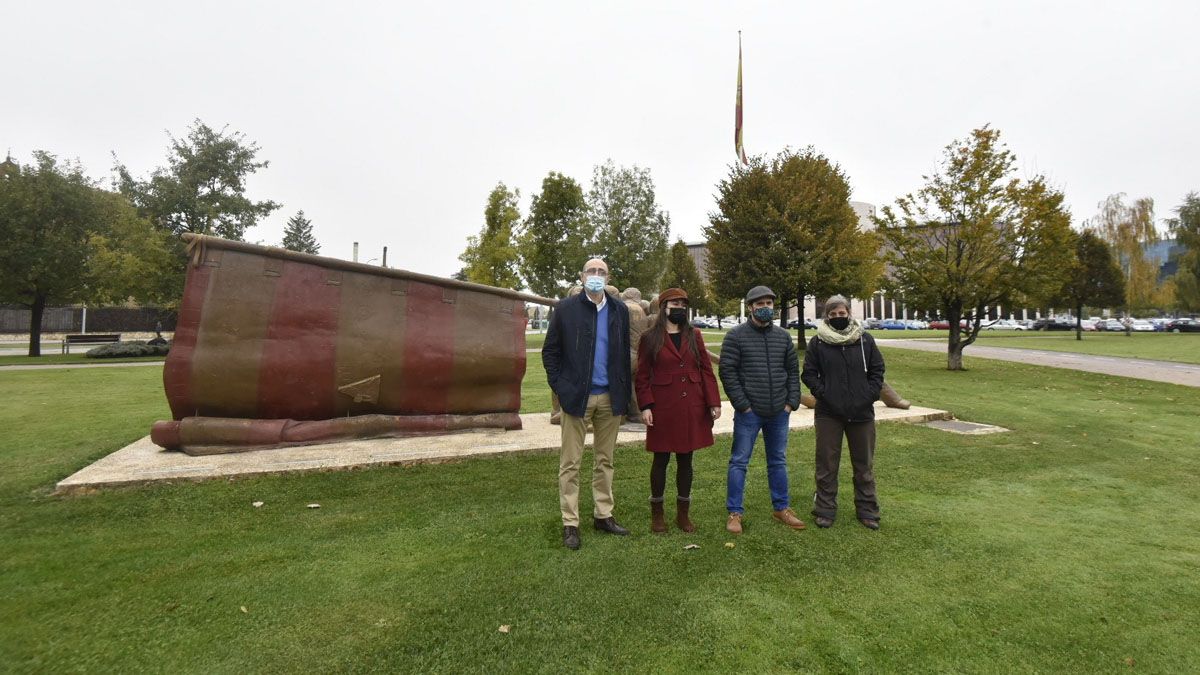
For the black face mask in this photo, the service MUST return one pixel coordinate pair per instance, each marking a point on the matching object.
(839, 323)
(677, 315)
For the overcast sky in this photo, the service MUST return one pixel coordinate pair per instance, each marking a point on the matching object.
(389, 123)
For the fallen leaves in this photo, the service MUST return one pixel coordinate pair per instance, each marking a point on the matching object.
(314, 506)
(244, 610)
(504, 628)
(730, 544)
(691, 547)
(256, 504)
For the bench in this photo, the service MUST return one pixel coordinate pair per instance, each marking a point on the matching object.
(89, 339)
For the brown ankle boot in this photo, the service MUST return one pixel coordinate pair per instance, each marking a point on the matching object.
(658, 522)
(682, 506)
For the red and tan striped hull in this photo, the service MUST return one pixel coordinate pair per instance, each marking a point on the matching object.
(266, 334)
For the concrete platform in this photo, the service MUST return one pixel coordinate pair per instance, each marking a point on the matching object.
(143, 462)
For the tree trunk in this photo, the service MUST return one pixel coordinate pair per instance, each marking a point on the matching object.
(1078, 322)
(802, 341)
(35, 324)
(954, 346)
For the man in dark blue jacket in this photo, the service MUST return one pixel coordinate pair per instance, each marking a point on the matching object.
(586, 356)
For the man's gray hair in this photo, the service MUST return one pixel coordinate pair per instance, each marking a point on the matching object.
(835, 301)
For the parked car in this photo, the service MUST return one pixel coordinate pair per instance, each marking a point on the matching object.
(916, 324)
(892, 324)
(700, 322)
(1004, 324)
(872, 323)
(1054, 324)
(1184, 326)
(1142, 326)
(1114, 325)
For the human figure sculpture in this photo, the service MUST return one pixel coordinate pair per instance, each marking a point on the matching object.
(638, 323)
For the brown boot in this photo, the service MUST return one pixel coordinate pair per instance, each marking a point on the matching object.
(682, 506)
(788, 517)
(658, 522)
(891, 398)
(735, 523)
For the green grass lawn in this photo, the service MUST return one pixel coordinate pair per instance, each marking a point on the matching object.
(1065, 545)
(48, 359)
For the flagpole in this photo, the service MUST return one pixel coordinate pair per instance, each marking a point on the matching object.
(738, 146)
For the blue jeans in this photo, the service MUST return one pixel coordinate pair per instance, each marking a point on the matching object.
(745, 430)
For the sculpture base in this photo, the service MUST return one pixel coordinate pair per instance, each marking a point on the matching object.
(221, 435)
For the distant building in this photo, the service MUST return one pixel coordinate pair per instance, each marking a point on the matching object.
(699, 252)
(1165, 255)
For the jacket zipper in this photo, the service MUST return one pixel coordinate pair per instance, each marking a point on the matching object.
(592, 361)
(770, 375)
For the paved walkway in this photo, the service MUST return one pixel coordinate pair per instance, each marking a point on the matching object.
(144, 462)
(1160, 371)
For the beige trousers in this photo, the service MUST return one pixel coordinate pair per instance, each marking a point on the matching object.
(599, 413)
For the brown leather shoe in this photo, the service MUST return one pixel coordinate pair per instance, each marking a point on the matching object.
(735, 523)
(823, 522)
(682, 507)
(658, 522)
(788, 517)
(869, 523)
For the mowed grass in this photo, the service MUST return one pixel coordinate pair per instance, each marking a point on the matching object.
(1065, 545)
(52, 359)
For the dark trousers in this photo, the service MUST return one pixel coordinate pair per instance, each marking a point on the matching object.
(861, 438)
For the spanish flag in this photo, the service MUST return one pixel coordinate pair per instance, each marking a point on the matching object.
(737, 125)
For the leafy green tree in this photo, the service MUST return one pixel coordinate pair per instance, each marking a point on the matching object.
(491, 257)
(67, 241)
(1128, 228)
(682, 273)
(550, 248)
(298, 235)
(787, 223)
(723, 307)
(976, 235)
(1092, 278)
(203, 187)
(630, 231)
(1186, 228)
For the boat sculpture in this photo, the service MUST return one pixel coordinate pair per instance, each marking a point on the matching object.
(275, 348)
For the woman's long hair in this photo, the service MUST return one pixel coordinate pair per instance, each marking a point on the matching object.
(654, 338)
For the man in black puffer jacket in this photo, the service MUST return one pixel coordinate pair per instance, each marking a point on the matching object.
(761, 374)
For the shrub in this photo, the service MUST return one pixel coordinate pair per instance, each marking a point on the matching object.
(128, 349)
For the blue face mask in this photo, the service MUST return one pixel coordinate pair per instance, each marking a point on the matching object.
(764, 314)
(595, 284)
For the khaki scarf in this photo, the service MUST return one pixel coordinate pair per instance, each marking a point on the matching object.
(826, 333)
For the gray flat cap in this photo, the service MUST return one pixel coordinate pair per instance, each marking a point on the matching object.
(759, 292)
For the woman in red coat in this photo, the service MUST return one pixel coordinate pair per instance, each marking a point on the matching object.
(677, 394)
